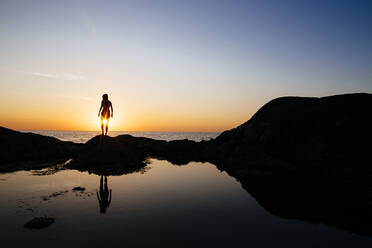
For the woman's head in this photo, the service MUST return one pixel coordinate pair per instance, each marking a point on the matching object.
(105, 97)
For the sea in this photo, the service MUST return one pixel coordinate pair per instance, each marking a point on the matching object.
(165, 205)
(84, 136)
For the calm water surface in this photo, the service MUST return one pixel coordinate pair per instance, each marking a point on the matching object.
(194, 205)
(84, 136)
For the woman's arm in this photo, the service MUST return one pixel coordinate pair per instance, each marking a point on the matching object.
(112, 110)
(99, 111)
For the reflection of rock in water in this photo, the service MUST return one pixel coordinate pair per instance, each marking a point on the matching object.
(50, 170)
(39, 223)
(81, 192)
(53, 195)
(318, 199)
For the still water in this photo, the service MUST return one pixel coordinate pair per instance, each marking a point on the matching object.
(84, 136)
(166, 205)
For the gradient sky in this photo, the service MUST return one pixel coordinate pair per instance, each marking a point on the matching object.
(174, 65)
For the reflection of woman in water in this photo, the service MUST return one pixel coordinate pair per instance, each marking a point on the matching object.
(104, 196)
(104, 112)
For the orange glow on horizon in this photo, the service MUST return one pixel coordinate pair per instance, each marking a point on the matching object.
(129, 115)
(131, 122)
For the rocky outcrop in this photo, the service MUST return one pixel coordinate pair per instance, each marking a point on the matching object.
(28, 150)
(286, 134)
(329, 132)
(305, 158)
(102, 154)
(125, 153)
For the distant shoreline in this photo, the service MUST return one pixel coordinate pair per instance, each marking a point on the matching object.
(45, 130)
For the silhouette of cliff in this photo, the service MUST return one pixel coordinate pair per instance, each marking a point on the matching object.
(312, 132)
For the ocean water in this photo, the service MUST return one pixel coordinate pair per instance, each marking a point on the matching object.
(84, 136)
(165, 205)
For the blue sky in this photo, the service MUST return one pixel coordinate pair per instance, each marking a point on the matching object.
(214, 60)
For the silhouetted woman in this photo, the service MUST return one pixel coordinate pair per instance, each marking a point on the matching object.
(104, 196)
(104, 111)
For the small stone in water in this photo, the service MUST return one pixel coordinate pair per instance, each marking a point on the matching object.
(78, 189)
(39, 223)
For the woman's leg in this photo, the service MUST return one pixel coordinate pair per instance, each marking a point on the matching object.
(106, 126)
(106, 187)
(101, 186)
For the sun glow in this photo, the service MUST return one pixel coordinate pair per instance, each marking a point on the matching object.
(104, 121)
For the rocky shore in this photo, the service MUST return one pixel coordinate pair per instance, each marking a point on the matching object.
(288, 133)
(303, 158)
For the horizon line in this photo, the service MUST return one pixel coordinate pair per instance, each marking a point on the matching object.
(71, 130)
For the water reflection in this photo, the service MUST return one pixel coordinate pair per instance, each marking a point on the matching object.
(208, 207)
(104, 195)
(345, 205)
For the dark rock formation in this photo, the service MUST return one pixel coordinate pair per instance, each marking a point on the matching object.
(305, 158)
(28, 150)
(329, 132)
(126, 154)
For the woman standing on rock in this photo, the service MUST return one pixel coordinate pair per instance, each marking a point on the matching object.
(104, 111)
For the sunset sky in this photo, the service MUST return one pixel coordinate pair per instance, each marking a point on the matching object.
(174, 65)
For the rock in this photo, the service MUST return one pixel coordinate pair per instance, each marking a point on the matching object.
(126, 154)
(326, 132)
(78, 189)
(39, 223)
(30, 151)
